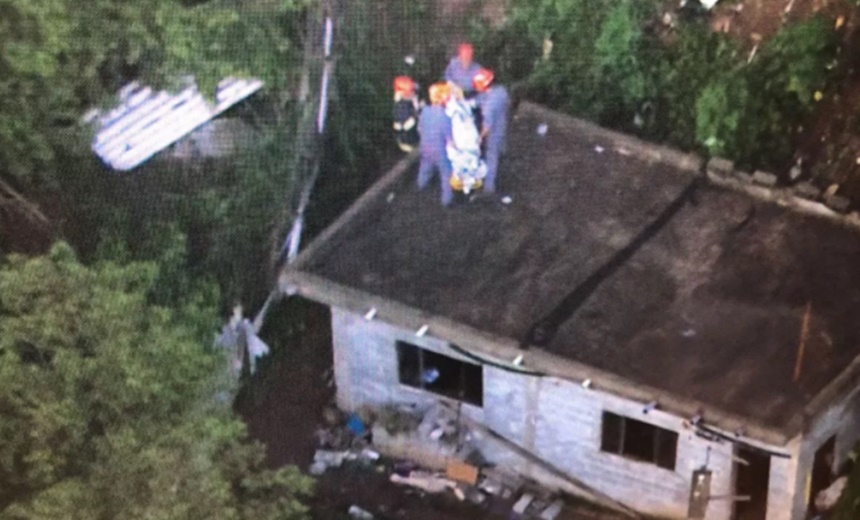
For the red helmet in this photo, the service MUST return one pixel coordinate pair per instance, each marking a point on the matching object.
(465, 52)
(482, 80)
(404, 86)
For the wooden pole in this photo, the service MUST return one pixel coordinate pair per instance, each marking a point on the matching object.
(801, 347)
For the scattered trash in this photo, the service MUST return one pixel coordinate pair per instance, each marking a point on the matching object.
(507, 200)
(358, 513)
(818, 96)
(389, 198)
(668, 19)
(424, 481)
(840, 21)
(430, 375)
(356, 425)
(398, 419)
(409, 59)
(370, 314)
(461, 496)
(623, 151)
(491, 486)
(332, 459)
(370, 454)
(598, 149)
(551, 512)
(796, 170)
(707, 4)
(688, 333)
(831, 190)
(422, 331)
(474, 496)
(317, 468)
(331, 416)
(542, 129)
(518, 360)
(521, 504)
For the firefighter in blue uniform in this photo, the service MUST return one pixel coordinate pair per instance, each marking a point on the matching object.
(462, 69)
(494, 103)
(434, 127)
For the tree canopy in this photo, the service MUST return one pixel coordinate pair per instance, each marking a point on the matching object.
(58, 58)
(620, 64)
(111, 406)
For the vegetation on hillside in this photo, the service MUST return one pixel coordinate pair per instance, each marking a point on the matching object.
(619, 64)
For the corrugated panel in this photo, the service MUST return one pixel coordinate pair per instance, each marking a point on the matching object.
(149, 121)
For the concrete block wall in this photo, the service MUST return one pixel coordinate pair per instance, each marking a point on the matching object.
(557, 420)
(365, 364)
(841, 420)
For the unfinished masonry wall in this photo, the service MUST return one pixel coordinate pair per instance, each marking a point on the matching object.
(557, 420)
(841, 421)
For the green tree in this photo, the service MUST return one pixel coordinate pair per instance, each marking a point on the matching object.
(59, 58)
(110, 408)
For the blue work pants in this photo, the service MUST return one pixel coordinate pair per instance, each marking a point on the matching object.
(431, 162)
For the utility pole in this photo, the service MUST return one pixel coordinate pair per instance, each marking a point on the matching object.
(317, 69)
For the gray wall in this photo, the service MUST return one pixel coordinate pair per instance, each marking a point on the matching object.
(842, 420)
(558, 420)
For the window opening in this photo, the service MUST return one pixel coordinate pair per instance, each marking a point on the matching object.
(440, 374)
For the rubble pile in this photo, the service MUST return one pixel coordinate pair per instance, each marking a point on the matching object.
(455, 466)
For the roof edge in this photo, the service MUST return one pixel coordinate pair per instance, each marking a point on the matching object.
(626, 144)
(355, 211)
(785, 197)
(295, 281)
(841, 385)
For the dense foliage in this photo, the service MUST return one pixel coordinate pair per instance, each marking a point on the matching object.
(107, 388)
(110, 404)
(57, 59)
(619, 64)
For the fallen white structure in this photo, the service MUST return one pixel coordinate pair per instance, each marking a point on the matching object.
(148, 121)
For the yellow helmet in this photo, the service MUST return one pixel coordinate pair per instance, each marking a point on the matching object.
(440, 93)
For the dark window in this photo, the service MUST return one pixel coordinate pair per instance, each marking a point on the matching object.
(639, 440)
(440, 374)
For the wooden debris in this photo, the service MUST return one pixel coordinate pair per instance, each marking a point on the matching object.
(801, 347)
(461, 472)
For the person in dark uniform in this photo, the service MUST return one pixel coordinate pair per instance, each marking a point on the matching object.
(406, 109)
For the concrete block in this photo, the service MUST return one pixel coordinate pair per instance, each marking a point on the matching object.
(837, 203)
(764, 178)
(720, 167)
(743, 176)
(807, 190)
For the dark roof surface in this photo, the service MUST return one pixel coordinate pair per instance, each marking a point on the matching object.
(629, 265)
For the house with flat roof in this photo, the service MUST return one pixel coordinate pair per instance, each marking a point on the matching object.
(675, 337)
